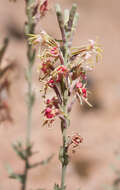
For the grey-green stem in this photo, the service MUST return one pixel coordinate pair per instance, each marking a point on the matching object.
(66, 33)
(64, 155)
(29, 29)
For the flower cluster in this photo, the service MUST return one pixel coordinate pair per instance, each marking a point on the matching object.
(55, 73)
(74, 141)
(81, 90)
(51, 110)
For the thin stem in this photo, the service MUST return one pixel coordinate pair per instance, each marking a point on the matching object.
(66, 33)
(65, 156)
(30, 95)
(25, 176)
(63, 177)
(71, 17)
(61, 22)
(64, 126)
(29, 28)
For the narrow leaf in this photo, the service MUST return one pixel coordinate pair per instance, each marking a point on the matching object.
(43, 162)
(20, 152)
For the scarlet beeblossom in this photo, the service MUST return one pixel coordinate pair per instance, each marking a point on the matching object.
(55, 74)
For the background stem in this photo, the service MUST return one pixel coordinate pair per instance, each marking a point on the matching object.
(29, 29)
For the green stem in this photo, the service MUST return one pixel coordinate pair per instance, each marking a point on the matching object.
(29, 28)
(30, 96)
(25, 175)
(63, 177)
(66, 33)
(65, 156)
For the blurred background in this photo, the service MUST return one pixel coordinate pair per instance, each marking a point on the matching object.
(91, 166)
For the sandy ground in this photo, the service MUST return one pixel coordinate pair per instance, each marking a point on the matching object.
(90, 167)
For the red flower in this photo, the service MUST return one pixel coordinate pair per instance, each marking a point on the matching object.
(43, 7)
(48, 101)
(54, 51)
(79, 85)
(83, 75)
(48, 113)
(62, 69)
(51, 83)
(44, 68)
(76, 140)
(84, 91)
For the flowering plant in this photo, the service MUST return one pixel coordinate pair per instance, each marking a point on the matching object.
(63, 69)
(56, 70)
